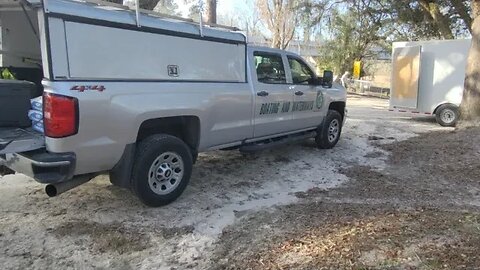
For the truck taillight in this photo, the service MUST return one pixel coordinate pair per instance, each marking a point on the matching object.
(60, 115)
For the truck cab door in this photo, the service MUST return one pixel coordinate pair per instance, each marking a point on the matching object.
(273, 98)
(308, 104)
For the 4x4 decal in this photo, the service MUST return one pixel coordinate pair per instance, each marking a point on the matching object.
(83, 88)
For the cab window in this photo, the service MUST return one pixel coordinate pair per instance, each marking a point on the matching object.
(270, 68)
(301, 73)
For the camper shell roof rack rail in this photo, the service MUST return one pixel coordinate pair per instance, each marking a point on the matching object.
(156, 14)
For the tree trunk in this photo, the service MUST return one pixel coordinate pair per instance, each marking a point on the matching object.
(276, 40)
(211, 11)
(475, 8)
(470, 106)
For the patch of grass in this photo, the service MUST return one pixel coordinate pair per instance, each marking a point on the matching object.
(423, 239)
(106, 238)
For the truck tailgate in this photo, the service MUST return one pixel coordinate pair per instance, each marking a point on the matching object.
(17, 140)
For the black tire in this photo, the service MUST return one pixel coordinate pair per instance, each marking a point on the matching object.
(447, 115)
(323, 139)
(153, 150)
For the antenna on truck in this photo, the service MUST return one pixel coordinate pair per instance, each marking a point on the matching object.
(137, 12)
(200, 3)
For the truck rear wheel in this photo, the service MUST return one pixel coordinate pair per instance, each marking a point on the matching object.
(162, 169)
(329, 133)
(447, 115)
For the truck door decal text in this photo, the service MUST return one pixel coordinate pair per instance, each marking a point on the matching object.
(286, 107)
(278, 107)
(300, 106)
(269, 108)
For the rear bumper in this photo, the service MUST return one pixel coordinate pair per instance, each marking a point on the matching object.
(44, 167)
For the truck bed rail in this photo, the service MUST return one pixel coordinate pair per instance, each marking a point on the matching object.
(157, 14)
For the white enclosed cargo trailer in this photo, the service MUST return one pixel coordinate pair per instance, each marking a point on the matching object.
(428, 78)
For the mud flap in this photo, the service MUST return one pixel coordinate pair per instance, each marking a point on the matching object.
(121, 174)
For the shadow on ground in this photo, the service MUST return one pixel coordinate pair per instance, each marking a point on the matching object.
(421, 212)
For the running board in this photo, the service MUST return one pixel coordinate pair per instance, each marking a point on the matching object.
(270, 143)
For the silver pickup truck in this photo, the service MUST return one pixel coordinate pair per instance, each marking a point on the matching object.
(138, 96)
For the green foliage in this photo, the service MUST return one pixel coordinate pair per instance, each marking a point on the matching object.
(167, 7)
(353, 29)
(351, 36)
(194, 9)
(411, 22)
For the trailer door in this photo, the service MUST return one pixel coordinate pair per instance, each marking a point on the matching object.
(405, 77)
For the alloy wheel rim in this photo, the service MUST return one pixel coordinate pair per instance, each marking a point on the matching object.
(166, 173)
(333, 130)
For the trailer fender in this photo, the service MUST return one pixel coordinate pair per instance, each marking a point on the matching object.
(444, 103)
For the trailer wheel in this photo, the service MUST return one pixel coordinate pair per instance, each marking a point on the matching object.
(161, 170)
(447, 115)
(329, 133)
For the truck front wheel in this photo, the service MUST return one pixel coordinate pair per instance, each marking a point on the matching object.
(162, 169)
(329, 133)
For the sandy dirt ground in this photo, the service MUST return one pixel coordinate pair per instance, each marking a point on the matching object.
(396, 193)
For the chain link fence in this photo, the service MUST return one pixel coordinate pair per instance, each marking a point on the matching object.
(363, 87)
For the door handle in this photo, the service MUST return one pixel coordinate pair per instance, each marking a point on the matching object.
(299, 93)
(262, 94)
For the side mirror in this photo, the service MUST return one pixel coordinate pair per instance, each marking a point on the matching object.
(327, 79)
